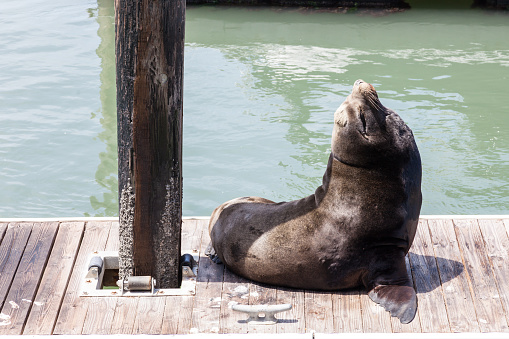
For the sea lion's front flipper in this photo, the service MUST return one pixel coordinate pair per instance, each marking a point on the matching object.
(400, 301)
(211, 253)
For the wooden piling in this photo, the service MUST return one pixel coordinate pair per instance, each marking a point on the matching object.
(150, 54)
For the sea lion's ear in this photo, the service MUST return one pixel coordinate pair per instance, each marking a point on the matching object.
(400, 301)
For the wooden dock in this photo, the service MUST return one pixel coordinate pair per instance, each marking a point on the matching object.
(459, 265)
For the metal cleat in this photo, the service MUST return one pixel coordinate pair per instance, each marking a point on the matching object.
(262, 314)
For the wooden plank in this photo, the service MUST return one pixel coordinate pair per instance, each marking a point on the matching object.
(149, 318)
(318, 306)
(113, 242)
(489, 310)
(182, 310)
(178, 309)
(207, 309)
(125, 315)
(431, 313)
(294, 320)
(374, 317)
(191, 235)
(235, 290)
(3, 229)
(99, 315)
(185, 314)
(496, 243)
(74, 308)
(458, 300)
(347, 311)
(58, 270)
(415, 325)
(101, 310)
(11, 251)
(262, 295)
(24, 286)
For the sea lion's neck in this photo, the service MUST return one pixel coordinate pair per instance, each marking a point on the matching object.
(322, 190)
(342, 177)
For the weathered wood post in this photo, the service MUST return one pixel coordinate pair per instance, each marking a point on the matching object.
(150, 55)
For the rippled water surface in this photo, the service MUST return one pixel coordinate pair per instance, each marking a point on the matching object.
(261, 87)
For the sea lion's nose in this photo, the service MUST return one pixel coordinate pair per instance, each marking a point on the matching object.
(358, 82)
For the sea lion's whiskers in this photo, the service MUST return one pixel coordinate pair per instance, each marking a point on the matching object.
(374, 102)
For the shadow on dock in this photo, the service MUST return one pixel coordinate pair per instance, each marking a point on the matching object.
(431, 271)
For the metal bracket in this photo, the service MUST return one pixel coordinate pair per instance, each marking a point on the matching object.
(262, 314)
(99, 262)
(187, 263)
(137, 284)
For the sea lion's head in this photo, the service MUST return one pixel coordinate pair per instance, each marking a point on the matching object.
(367, 134)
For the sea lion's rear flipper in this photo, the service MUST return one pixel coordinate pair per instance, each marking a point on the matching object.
(400, 301)
(211, 253)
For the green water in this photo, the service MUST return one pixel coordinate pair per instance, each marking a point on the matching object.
(261, 87)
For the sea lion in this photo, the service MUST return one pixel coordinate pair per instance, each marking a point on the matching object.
(353, 231)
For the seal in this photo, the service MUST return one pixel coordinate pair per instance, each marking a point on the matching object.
(357, 227)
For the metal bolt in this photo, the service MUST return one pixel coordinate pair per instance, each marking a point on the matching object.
(114, 292)
(88, 281)
(160, 292)
(96, 252)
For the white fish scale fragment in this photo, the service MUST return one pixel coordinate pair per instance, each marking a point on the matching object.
(5, 319)
(241, 289)
(215, 302)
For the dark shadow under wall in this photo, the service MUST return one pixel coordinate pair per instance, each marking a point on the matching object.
(493, 4)
(317, 3)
